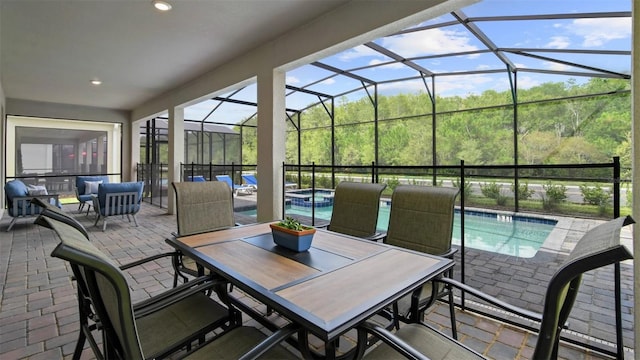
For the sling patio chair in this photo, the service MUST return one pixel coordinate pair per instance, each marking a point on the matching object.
(355, 209)
(200, 207)
(235, 187)
(599, 247)
(421, 219)
(156, 327)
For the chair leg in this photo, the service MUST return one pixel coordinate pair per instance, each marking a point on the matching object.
(135, 221)
(452, 313)
(80, 206)
(104, 224)
(13, 221)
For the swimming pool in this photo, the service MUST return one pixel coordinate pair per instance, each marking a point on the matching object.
(514, 235)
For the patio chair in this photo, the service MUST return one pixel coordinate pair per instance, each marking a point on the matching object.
(86, 187)
(235, 187)
(153, 328)
(20, 202)
(57, 213)
(421, 219)
(598, 247)
(118, 199)
(200, 207)
(355, 209)
(252, 181)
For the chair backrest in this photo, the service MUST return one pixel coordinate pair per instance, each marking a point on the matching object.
(421, 218)
(598, 247)
(14, 188)
(56, 213)
(226, 179)
(203, 206)
(106, 286)
(120, 198)
(196, 178)
(82, 179)
(250, 179)
(355, 208)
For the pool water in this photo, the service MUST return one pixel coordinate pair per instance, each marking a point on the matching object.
(513, 235)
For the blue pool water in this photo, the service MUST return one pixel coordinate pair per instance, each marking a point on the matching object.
(513, 235)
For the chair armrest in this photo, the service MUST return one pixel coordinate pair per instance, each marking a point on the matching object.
(388, 338)
(271, 341)
(377, 236)
(492, 300)
(449, 254)
(176, 294)
(147, 259)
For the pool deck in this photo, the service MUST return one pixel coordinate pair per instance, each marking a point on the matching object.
(38, 307)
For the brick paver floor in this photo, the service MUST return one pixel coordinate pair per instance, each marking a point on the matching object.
(38, 306)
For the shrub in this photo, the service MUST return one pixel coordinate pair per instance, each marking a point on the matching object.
(553, 195)
(523, 192)
(596, 195)
(493, 191)
(393, 183)
(466, 187)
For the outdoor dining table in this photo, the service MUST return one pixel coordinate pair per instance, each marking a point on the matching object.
(329, 289)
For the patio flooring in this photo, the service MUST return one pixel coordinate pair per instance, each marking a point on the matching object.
(38, 306)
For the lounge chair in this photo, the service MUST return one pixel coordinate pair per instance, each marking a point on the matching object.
(421, 219)
(236, 188)
(355, 209)
(599, 247)
(251, 180)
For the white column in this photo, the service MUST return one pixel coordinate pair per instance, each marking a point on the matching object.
(635, 130)
(176, 153)
(271, 143)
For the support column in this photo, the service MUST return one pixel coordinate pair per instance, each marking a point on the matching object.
(176, 153)
(635, 163)
(271, 143)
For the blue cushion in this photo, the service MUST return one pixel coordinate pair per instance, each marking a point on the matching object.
(197, 178)
(13, 189)
(81, 188)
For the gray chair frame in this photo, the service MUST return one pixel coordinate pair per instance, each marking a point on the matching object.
(117, 204)
(421, 219)
(599, 247)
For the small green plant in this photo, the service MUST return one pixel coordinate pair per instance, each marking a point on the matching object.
(493, 191)
(553, 195)
(466, 187)
(596, 195)
(523, 193)
(293, 224)
(393, 183)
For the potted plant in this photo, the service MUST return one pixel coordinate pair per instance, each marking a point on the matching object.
(292, 235)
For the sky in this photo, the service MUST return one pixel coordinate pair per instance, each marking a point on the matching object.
(429, 48)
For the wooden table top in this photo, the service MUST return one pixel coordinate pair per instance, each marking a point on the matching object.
(339, 282)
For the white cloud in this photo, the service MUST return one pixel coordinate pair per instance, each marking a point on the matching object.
(292, 80)
(358, 52)
(597, 32)
(429, 42)
(556, 66)
(558, 42)
(329, 81)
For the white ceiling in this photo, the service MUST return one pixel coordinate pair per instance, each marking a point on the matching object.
(51, 49)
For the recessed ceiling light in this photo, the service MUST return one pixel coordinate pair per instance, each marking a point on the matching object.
(96, 82)
(161, 5)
